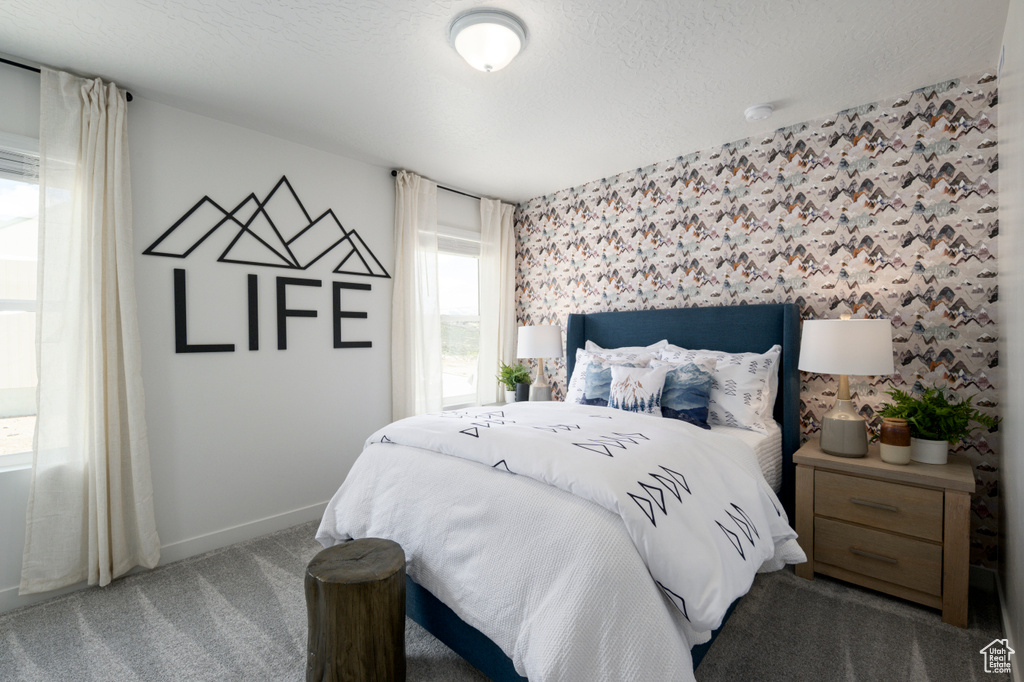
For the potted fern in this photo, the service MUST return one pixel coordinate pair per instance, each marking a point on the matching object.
(935, 421)
(511, 376)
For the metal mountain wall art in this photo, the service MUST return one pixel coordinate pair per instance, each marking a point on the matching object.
(276, 231)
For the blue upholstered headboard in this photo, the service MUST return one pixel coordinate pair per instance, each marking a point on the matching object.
(734, 329)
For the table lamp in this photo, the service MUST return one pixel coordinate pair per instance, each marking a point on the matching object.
(540, 341)
(845, 347)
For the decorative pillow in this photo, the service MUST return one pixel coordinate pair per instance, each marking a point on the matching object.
(637, 389)
(744, 387)
(578, 380)
(687, 391)
(599, 380)
(654, 348)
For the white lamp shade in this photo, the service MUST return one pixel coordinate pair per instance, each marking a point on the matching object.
(487, 39)
(862, 347)
(539, 341)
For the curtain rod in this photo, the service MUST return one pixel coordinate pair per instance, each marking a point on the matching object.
(447, 189)
(127, 95)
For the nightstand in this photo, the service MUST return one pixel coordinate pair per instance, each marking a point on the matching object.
(902, 530)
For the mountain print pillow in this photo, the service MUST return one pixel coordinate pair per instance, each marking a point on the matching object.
(599, 381)
(687, 391)
(637, 389)
(578, 380)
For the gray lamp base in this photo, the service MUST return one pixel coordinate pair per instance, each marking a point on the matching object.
(844, 432)
(540, 393)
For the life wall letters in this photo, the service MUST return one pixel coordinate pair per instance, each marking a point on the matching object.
(276, 232)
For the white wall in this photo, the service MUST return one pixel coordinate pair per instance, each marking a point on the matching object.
(19, 105)
(246, 442)
(458, 211)
(1011, 293)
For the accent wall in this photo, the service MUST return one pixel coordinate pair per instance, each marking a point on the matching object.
(884, 210)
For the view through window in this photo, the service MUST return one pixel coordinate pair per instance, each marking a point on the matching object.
(458, 279)
(19, 239)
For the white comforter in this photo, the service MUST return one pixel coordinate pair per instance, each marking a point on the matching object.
(555, 579)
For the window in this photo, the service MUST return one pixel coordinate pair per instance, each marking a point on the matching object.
(19, 244)
(458, 283)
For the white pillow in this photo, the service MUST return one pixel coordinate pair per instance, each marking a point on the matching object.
(774, 353)
(578, 380)
(745, 385)
(637, 389)
(653, 348)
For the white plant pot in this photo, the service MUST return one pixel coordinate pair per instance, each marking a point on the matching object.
(929, 451)
(510, 396)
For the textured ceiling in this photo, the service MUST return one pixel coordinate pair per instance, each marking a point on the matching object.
(602, 86)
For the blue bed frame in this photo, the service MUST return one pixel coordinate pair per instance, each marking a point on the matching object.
(734, 329)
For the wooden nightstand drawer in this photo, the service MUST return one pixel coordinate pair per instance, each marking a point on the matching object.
(895, 559)
(891, 506)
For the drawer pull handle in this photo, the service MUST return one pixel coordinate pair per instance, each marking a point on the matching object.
(869, 555)
(874, 505)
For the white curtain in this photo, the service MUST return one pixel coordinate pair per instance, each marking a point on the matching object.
(90, 510)
(415, 313)
(497, 297)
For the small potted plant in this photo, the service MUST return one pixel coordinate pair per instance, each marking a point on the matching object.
(512, 376)
(935, 421)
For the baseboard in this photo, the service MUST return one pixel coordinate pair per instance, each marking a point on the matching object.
(1008, 630)
(176, 551)
(183, 549)
(10, 599)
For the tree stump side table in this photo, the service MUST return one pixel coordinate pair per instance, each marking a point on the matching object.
(355, 600)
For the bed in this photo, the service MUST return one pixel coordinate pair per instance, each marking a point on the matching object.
(432, 592)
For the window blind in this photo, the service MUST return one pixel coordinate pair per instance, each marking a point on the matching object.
(459, 242)
(18, 160)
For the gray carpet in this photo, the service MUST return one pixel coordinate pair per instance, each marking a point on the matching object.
(239, 613)
(788, 628)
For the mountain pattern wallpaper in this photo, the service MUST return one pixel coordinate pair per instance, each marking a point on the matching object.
(886, 210)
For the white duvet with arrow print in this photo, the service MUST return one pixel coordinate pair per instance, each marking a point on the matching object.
(694, 502)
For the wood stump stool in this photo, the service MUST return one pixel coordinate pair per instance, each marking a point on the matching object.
(355, 599)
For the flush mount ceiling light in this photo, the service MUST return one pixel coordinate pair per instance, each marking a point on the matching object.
(488, 39)
(758, 112)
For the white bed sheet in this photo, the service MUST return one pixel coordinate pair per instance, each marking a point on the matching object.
(767, 448)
